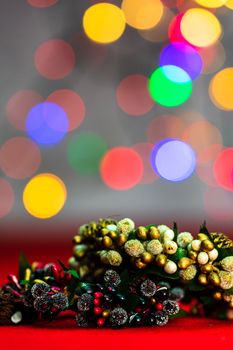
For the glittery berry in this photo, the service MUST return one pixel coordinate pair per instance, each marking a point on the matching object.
(161, 318)
(60, 301)
(112, 278)
(39, 289)
(148, 288)
(42, 304)
(84, 302)
(81, 320)
(118, 316)
(170, 307)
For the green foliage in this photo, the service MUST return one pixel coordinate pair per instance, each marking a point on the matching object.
(23, 265)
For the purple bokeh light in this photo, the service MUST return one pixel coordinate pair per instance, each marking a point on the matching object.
(47, 123)
(184, 56)
(173, 160)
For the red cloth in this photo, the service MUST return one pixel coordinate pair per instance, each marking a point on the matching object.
(62, 334)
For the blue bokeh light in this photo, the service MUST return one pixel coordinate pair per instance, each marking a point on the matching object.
(47, 123)
(173, 160)
(184, 56)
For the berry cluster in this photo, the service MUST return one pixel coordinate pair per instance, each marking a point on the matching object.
(108, 304)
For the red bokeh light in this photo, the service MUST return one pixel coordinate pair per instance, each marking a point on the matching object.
(72, 104)
(19, 157)
(223, 169)
(7, 197)
(19, 105)
(121, 168)
(133, 96)
(54, 59)
(42, 3)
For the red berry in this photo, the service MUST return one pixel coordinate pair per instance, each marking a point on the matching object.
(100, 322)
(159, 306)
(98, 295)
(138, 309)
(98, 310)
(96, 302)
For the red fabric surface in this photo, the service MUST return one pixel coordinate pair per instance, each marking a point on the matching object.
(186, 333)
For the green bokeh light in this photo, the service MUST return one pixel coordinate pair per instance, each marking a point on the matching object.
(170, 86)
(85, 151)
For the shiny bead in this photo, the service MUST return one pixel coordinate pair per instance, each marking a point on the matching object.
(98, 310)
(231, 304)
(100, 322)
(170, 247)
(206, 268)
(184, 263)
(106, 313)
(217, 296)
(121, 239)
(214, 279)
(104, 231)
(196, 245)
(107, 242)
(139, 264)
(161, 260)
(202, 236)
(159, 306)
(147, 257)
(142, 233)
(77, 239)
(213, 254)
(96, 302)
(142, 301)
(168, 235)
(153, 232)
(202, 258)
(150, 320)
(207, 245)
(202, 279)
(170, 267)
(113, 235)
(152, 301)
(193, 255)
(136, 320)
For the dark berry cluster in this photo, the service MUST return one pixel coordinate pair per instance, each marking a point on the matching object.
(110, 304)
(46, 299)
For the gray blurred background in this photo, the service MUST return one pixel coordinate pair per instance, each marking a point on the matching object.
(97, 74)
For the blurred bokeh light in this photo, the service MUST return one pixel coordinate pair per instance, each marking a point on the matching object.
(144, 14)
(73, 105)
(104, 23)
(170, 86)
(44, 196)
(42, 3)
(200, 27)
(7, 197)
(133, 96)
(121, 168)
(47, 123)
(54, 59)
(19, 157)
(221, 89)
(173, 160)
(85, 151)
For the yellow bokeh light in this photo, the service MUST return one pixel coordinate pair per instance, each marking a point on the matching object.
(220, 89)
(229, 4)
(200, 27)
(104, 23)
(142, 14)
(44, 196)
(211, 3)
